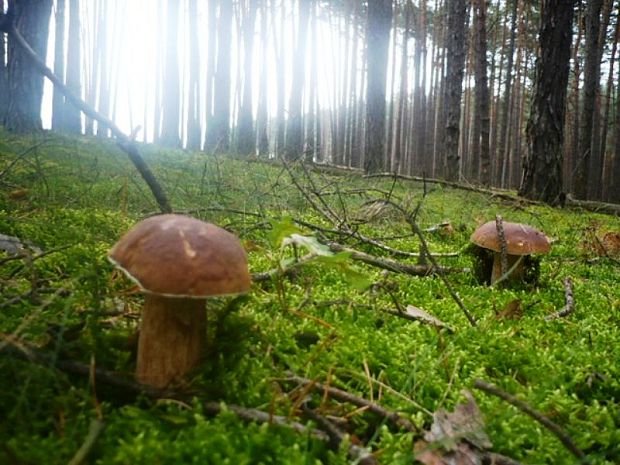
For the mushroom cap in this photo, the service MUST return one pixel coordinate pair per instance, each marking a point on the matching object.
(179, 256)
(520, 238)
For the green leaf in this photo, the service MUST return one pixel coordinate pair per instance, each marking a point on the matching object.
(280, 229)
(309, 243)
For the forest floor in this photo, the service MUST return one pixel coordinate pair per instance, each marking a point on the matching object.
(397, 344)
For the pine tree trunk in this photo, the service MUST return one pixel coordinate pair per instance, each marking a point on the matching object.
(401, 122)
(591, 82)
(3, 71)
(545, 127)
(72, 116)
(210, 65)
(171, 83)
(378, 26)
(262, 114)
(58, 100)
(608, 96)
(294, 127)
(482, 95)
(193, 97)
(504, 139)
(218, 132)
(595, 180)
(454, 84)
(246, 136)
(25, 83)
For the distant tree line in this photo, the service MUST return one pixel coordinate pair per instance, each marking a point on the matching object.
(505, 93)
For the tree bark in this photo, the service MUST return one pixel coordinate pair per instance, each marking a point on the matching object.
(58, 101)
(294, 125)
(25, 83)
(591, 82)
(545, 127)
(503, 141)
(378, 26)
(72, 117)
(262, 113)
(481, 142)
(246, 138)
(218, 132)
(454, 84)
(171, 83)
(3, 71)
(193, 97)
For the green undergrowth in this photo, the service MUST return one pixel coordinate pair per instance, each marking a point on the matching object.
(322, 322)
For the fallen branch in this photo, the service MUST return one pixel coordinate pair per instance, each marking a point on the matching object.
(25, 352)
(94, 431)
(539, 417)
(569, 307)
(392, 265)
(124, 142)
(360, 455)
(345, 396)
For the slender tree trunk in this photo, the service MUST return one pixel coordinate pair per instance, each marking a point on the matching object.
(504, 139)
(262, 114)
(246, 136)
(210, 66)
(3, 71)
(294, 127)
(400, 135)
(58, 101)
(572, 158)
(423, 164)
(614, 186)
(482, 94)
(608, 96)
(378, 26)
(72, 116)
(457, 18)
(545, 127)
(171, 91)
(105, 75)
(193, 97)
(595, 180)
(25, 83)
(591, 83)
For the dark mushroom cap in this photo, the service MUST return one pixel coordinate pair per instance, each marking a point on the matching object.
(179, 256)
(520, 239)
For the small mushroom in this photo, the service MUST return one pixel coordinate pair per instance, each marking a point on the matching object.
(521, 241)
(178, 262)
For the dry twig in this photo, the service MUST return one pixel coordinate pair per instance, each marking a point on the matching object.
(570, 302)
(345, 396)
(539, 417)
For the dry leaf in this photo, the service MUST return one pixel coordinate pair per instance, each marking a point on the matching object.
(512, 311)
(416, 313)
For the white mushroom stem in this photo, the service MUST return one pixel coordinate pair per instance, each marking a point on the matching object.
(172, 338)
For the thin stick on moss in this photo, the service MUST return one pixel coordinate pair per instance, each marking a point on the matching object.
(94, 431)
(539, 417)
(569, 307)
(23, 351)
(360, 455)
(345, 396)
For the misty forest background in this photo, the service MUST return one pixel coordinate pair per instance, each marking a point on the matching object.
(434, 88)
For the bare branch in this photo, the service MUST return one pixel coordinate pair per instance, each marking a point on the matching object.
(539, 417)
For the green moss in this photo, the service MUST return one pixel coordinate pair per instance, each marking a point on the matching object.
(83, 194)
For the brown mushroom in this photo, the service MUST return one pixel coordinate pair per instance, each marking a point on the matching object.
(178, 262)
(521, 240)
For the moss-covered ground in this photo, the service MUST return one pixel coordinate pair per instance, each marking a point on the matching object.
(321, 323)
